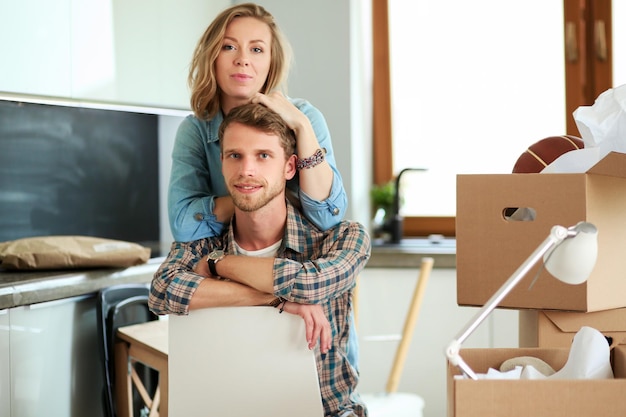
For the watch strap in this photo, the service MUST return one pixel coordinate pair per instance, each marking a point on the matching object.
(212, 268)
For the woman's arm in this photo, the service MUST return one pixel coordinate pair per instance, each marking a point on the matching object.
(322, 194)
(198, 202)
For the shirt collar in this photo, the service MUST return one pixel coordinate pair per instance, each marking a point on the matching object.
(292, 238)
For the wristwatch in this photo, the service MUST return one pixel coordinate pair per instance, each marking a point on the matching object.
(215, 257)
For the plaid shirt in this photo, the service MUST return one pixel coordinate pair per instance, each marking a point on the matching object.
(311, 267)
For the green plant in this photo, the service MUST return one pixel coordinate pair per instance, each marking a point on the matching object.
(382, 195)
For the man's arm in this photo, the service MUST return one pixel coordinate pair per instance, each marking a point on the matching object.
(254, 272)
(329, 271)
(257, 272)
(212, 292)
(177, 287)
(344, 254)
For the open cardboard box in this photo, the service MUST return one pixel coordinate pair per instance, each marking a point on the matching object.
(534, 398)
(548, 328)
(490, 246)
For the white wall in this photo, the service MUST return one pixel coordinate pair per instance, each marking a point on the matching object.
(331, 40)
(167, 133)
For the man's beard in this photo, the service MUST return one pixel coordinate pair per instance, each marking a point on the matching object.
(249, 203)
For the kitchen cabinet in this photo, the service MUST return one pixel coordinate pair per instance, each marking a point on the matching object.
(134, 53)
(384, 296)
(35, 40)
(5, 380)
(49, 351)
(54, 359)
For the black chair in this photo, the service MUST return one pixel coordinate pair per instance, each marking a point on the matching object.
(117, 306)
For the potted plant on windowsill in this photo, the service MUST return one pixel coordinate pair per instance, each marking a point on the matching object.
(382, 203)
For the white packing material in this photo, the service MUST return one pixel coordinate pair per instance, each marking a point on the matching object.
(602, 127)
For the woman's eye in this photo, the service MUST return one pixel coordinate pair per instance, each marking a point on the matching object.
(228, 47)
(257, 50)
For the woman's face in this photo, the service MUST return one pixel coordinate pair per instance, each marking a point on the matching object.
(244, 61)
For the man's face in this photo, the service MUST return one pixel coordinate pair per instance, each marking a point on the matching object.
(254, 166)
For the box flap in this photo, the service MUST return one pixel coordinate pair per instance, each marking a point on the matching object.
(537, 398)
(603, 321)
(613, 165)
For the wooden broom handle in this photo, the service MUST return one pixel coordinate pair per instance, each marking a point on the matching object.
(409, 325)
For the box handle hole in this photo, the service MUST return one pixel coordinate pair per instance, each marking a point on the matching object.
(519, 214)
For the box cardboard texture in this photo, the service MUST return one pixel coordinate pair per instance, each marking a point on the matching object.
(548, 328)
(536, 398)
(490, 247)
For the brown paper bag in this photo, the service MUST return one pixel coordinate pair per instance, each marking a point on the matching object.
(67, 252)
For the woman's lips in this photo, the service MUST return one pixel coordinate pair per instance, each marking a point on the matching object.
(241, 77)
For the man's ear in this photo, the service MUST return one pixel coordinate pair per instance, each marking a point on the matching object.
(290, 167)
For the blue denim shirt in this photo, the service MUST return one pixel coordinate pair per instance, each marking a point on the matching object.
(196, 179)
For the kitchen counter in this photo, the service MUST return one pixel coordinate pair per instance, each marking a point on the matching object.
(19, 288)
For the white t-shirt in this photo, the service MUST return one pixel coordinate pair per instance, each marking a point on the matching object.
(268, 252)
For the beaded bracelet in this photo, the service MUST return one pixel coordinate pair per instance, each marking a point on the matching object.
(311, 161)
(275, 302)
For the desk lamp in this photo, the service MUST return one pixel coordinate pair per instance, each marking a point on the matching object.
(569, 254)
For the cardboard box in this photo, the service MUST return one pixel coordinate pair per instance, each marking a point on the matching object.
(534, 398)
(491, 247)
(549, 328)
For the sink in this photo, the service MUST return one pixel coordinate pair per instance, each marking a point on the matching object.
(409, 252)
(429, 244)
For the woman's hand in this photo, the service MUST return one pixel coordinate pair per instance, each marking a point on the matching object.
(277, 102)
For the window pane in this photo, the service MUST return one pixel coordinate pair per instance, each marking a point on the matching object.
(619, 38)
(471, 92)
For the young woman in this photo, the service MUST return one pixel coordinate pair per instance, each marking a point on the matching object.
(243, 57)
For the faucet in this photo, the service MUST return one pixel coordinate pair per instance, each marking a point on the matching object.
(395, 223)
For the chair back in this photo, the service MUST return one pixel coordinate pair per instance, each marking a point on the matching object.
(241, 361)
(121, 305)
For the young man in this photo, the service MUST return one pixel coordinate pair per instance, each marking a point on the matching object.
(271, 254)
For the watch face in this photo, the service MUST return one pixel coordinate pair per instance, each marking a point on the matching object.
(216, 254)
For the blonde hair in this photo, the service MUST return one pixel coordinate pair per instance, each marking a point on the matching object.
(261, 118)
(205, 100)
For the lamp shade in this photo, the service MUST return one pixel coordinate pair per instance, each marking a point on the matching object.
(573, 259)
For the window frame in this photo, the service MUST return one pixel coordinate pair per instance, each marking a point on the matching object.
(586, 77)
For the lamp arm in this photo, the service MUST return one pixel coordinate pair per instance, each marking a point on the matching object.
(556, 236)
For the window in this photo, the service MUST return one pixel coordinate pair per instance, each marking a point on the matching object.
(467, 93)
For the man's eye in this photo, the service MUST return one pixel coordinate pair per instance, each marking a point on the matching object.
(265, 155)
(233, 156)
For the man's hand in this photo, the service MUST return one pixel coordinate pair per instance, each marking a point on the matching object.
(202, 267)
(317, 325)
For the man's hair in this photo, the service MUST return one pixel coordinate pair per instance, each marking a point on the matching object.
(261, 118)
(202, 80)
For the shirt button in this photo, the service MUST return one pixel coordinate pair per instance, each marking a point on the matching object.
(198, 217)
(335, 211)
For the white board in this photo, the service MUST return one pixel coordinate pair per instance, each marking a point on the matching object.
(241, 361)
